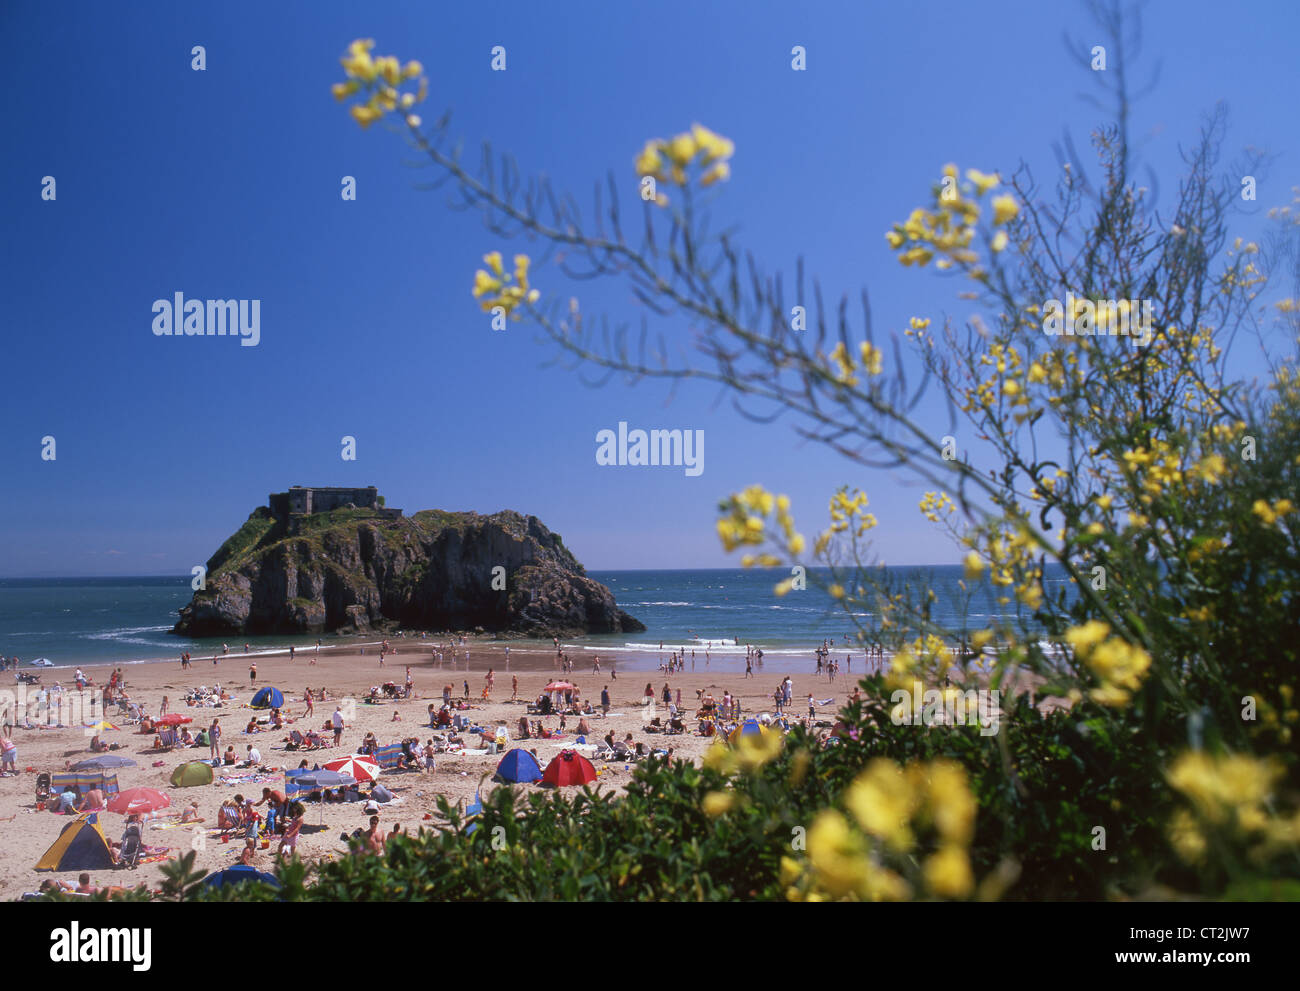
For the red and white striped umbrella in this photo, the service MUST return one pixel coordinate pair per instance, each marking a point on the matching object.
(138, 800)
(361, 766)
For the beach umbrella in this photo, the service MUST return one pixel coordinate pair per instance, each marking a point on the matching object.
(359, 766)
(103, 761)
(138, 800)
(103, 724)
(322, 780)
(239, 874)
(268, 698)
(559, 686)
(172, 719)
(569, 768)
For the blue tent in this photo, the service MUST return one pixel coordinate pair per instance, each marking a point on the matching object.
(268, 698)
(518, 765)
(238, 875)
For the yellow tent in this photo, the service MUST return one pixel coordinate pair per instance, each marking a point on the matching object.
(81, 846)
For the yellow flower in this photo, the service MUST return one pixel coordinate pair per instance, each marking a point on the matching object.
(952, 806)
(412, 69)
(493, 260)
(717, 803)
(836, 855)
(649, 162)
(872, 358)
(357, 63)
(484, 283)
(342, 91)
(973, 565)
(948, 873)
(413, 120)
(983, 182)
(714, 146)
(836, 591)
(720, 171)
(1000, 240)
(1005, 208)
(1084, 638)
(365, 116)
(681, 149)
(882, 799)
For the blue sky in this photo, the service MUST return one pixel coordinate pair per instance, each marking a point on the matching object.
(225, 183)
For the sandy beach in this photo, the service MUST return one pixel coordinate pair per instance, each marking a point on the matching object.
(347, 676)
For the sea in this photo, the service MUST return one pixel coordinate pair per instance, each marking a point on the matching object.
(80, 622)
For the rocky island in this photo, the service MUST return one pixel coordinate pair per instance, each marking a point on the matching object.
(331, 559)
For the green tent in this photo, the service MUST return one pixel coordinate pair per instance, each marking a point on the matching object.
(194, 773)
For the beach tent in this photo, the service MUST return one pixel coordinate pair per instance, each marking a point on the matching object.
(518, 765)
(83, 781)
(268, 698)
(569, 768)
(473, 811)
(750, 727)
(238, 875)
(195, 772)
(81, 846)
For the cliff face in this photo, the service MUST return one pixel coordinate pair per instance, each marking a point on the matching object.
(349, 569)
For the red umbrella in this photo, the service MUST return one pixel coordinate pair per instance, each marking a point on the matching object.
(558, 686)
(569, 768)
(360, 766)
(172, 719)
(138, 800)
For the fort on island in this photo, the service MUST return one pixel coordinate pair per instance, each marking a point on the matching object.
(299, 501)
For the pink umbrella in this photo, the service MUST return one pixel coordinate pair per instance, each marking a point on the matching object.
(558, 686)
(138, 800)
(360, 766)
(172, 719)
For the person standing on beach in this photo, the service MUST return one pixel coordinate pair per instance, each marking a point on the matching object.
(604, 701)
(214, 739)
(290, 653)
(337, 720)
(749, 668)
(162, 709)
(812, 709)
(252, 671)
(306, 694)
(514, 687)
(491, 680)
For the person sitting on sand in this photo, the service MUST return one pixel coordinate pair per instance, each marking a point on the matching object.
(84, 886)
(522, 731)
(252, 726)
(191, 814)
(93, 801)
(583, 729)
(290, 839)
(229, 758)
(250, 851)
(67, 802)
(97, 746)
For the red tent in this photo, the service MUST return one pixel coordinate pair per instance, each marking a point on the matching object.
(569, 768)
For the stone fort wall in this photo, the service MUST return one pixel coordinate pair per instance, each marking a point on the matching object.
(305, 500)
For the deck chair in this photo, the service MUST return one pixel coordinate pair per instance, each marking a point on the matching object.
(296, 741)
(132, 841)
(228, 816)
